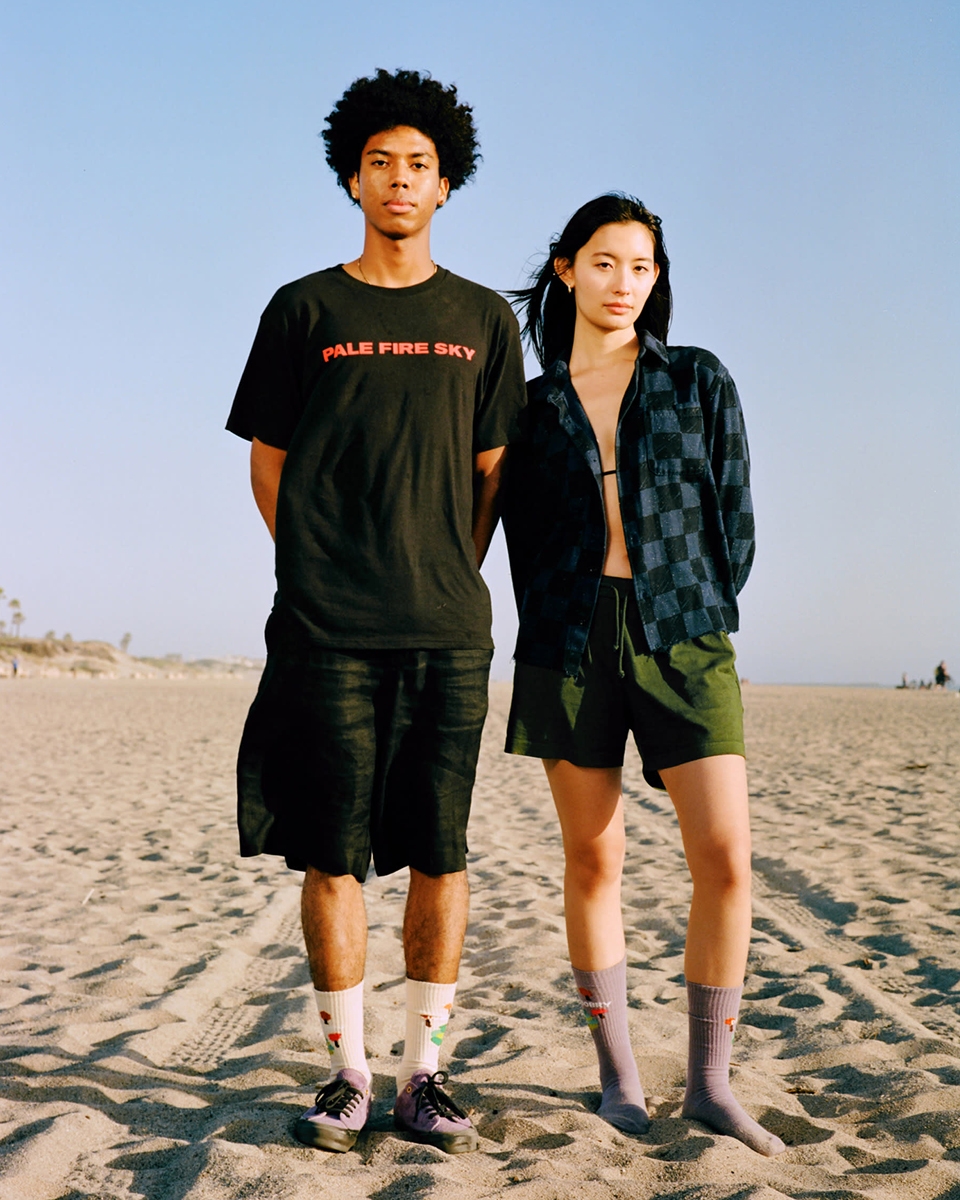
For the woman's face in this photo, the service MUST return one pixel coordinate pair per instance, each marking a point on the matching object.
(612, 275)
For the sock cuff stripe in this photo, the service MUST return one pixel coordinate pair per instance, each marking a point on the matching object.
(608, 979)
(433, 999)
(344, 993)
(713, 1003)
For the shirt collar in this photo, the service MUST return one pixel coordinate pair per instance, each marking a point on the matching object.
(649, 342)
(558, 372)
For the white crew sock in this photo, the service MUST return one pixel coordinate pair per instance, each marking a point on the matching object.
(428, 1010)
(341, 1014)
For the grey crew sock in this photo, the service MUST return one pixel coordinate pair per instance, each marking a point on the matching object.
(713, 1020)
(604, 996)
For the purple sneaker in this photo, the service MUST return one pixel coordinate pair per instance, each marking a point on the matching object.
(427, 1114)
(339, 1112)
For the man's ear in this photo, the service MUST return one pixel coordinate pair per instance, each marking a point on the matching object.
(444, 192)
(354, 184)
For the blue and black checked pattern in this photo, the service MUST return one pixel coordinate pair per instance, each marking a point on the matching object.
(684, 478)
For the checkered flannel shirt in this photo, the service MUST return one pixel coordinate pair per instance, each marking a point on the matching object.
(683, 474)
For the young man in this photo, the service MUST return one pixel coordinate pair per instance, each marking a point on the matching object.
(379, 397)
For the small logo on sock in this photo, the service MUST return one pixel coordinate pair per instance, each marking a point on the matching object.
(585, 993)
(595, 1014)
(429, 1018)
(325, 1017)
(333, 1041)
(731, 1024)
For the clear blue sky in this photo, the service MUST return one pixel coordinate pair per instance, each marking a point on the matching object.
(162, 175)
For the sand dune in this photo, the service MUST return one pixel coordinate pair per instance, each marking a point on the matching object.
(51, 658)
(159, 1036)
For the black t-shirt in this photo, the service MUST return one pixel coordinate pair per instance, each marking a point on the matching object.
(381, 398)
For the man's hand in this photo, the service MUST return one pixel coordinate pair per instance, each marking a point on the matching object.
(266, 463)
(487, 477)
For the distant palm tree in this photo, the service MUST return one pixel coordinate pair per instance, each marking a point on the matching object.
(125, 642)
(16, 616)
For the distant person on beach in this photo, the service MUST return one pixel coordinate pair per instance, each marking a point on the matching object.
(940, 675)
(379, 397)
(630, 529)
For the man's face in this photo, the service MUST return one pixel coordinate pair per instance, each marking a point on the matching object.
(398, 186)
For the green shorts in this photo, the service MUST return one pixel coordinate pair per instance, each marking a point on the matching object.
(681, 704)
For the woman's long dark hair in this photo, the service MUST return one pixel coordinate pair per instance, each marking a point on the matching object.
(549, 312)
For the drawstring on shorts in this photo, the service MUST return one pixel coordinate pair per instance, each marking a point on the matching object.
(620, 636)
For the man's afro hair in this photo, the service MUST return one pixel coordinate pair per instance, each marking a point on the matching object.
(384, 101)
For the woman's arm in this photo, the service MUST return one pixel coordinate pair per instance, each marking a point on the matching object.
(730, 461)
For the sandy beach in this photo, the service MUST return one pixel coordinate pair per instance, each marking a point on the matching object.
(159, 1036)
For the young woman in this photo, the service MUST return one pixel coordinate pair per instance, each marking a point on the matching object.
(630, 531)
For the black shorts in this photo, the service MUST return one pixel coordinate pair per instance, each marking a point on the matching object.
(352, 753)
(681, 704)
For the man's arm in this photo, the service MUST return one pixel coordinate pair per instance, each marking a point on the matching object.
(266, 463)
(487, 477)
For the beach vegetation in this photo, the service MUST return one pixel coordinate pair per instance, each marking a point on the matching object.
(17, 616)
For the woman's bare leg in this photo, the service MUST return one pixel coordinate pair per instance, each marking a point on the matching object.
(710, 796)
(713, 808)
(590, 809)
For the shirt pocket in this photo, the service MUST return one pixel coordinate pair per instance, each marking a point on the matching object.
(667, 470)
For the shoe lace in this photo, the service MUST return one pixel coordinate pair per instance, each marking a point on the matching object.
(431, 1096)
(336, 1097)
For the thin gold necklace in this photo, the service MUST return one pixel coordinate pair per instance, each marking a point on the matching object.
(369, 284)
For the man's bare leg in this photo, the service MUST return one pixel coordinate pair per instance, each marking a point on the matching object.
(334, 929)
(433, 929)
(434, 925)
(335, 932)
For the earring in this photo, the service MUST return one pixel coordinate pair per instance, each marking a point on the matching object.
(569, 288)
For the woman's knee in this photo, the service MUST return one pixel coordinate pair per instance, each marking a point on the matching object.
(596, 865)
(722, 865)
